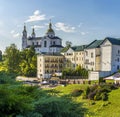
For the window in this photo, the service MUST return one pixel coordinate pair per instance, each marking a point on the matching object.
(36, 43)
(45, 43)
(118, 51)
(53, 42)
(117, 67)
(118, 59)
(32, 43)
(91, 55)
(86, 53)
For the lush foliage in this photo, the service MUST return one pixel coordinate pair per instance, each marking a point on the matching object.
(28, 64)
(7, 78)
(75, 72)
(17, 100)
(12, 58)
(21, 62)
(98, 92)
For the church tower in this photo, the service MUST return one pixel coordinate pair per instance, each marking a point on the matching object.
(50, 32)
(33, 35)
(24, 38)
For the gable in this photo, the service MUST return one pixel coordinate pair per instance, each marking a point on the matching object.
(106, 43)
(70, 50)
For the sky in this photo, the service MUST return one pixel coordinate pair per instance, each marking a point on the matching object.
(78, 21)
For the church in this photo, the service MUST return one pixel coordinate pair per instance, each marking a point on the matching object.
(50, 43)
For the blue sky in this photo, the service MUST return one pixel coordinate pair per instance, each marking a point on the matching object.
(78, 21)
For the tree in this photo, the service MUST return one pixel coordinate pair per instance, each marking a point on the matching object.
(28, 63)
(0, 55)
(12, 59)
(59, 107)
(68, 44)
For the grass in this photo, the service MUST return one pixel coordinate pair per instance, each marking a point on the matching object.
(110, 108)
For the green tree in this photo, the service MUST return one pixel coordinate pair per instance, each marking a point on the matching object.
(68, 44)
(0, 55)
(59, 107)
(12, 59)
(28, 63)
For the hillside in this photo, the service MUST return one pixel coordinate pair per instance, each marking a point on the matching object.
(108, 108)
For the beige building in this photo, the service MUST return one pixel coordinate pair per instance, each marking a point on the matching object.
(74, 56)
(93, 56)
(48, 65)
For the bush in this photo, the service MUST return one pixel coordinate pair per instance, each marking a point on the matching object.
(86, 92)
(104, 96)
(76, 92)
(58, 107)
(97, 96)
(98, 92)
(91, 95)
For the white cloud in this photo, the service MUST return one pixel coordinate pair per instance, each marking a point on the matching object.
(80, 25)
(84, 33)
(12, 32)
(37, 16)
(37, 26)
(16, 35)
(37, 12)
(19, 25)
(64, 27)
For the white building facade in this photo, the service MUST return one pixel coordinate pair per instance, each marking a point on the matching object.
(46, 44)
(110, 55)
(93, 56)
(109, 59)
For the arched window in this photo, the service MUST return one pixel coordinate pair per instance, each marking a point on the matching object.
(45, 43)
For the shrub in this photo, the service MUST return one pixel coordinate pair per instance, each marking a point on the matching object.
(86, 92)
(93, 88)
(76, 92)
(97, 96)
(91, 95)
(104, 96)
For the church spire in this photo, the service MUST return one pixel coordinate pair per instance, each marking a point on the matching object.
(33, 32)
(25, 31)
(50, 25)
(50, 32)
(24, 28)
(24, 37)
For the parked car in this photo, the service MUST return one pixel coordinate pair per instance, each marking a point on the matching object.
(45, 83)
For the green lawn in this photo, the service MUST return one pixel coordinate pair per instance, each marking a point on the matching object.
(110, 108)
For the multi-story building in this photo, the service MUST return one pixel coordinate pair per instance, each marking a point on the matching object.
(48, 65)
(74, 56)
(110, 55)
(46, 44)
(93, 56)
(108, 60)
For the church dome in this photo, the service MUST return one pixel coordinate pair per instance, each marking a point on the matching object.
(50, 31)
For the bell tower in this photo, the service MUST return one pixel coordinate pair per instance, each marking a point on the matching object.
(24, 38)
